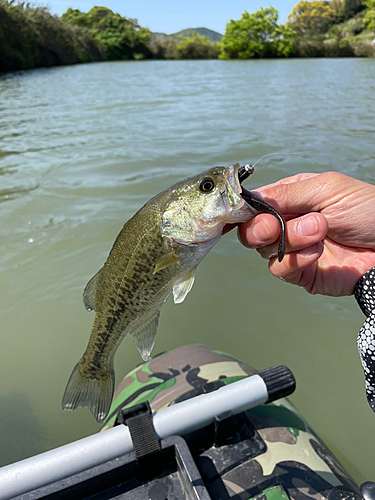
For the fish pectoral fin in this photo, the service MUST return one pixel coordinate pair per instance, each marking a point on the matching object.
(181, 289)
(165, 261)
(89, 293)
(144, 337)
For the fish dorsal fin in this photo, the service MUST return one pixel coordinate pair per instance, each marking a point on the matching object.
(89, 293)
(181, 289)
(144, 337)
(165, 261)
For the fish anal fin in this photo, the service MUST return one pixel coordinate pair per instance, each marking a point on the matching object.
(89, 293)
(165, 260)
(144, 337)
(95, 392)
(181, 289)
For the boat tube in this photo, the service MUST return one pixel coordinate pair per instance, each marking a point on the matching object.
(192, 423)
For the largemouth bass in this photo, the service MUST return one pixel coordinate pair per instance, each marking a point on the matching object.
(155, 254)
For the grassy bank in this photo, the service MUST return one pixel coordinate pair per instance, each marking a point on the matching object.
(32, 37)
(314, 29)
(346, 39)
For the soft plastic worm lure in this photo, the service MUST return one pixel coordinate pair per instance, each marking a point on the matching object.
(262, 207)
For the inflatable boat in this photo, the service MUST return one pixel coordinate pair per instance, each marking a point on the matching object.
(193, 423)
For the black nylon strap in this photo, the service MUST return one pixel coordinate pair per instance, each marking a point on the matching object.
(146, 444)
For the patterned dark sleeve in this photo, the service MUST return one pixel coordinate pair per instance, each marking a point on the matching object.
(364, 293)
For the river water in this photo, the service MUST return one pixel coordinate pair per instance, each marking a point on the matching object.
(83, 147)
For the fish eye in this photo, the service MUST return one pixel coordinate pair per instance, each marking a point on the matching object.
(206, 185)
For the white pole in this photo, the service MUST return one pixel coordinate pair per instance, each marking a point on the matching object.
(181, 418)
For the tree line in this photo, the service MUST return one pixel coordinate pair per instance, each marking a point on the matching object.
(31, 36)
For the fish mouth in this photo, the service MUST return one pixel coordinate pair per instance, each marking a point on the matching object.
(234, 175)
(237, 208)
(232, 184)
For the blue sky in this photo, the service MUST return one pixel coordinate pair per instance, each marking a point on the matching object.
(169, 16)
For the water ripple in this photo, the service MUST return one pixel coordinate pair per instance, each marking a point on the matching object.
(84, 147)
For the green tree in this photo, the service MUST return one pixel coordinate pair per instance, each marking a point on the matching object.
(32, 37)
(370, 14)
(76, 17)
(257, 35)
(338, 7)
(197, 47)
(122, 38)
(352, 7)
(310, 18)
(164, 48)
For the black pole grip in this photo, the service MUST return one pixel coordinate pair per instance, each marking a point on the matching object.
(279, 380)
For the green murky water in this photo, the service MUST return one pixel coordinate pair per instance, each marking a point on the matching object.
(83, 147)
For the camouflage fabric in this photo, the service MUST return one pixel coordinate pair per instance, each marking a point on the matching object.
(173, 376)
(279, 457)
(296, 463)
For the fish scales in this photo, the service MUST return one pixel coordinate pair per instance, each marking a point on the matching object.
(156, 253)
(126, 285)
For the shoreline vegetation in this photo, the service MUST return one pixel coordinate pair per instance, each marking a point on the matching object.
(31, 37)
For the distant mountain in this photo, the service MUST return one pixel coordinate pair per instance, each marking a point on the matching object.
(159, 35)
(214, 36)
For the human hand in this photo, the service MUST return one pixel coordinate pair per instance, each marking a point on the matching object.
(330, 231)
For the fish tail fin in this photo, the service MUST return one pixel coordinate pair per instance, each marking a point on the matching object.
(94, 391)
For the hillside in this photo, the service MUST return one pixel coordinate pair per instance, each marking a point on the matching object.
(214, 36)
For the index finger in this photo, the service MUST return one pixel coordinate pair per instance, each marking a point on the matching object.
(287, 180)
(304, 193)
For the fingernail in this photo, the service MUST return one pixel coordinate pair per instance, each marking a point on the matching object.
(261, 232)
(307, 227)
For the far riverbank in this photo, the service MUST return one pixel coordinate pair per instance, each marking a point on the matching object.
(31, 37)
